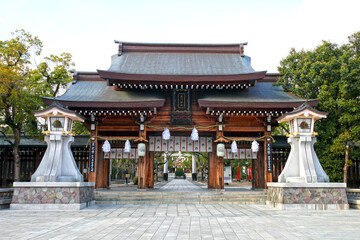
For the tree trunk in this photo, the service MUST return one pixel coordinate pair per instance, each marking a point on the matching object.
(5, 169)
(346, 163)
(15, 148)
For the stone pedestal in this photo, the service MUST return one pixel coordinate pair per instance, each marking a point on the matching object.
(314, 196)
(52, 195)
(5, 197)
(165, 177)
(58, 163)
(166, 169)
(193, 168)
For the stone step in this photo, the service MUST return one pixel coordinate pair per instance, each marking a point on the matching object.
(184, 199)
(354, 203)
(180, 202)
(179, 198)
(180, 193)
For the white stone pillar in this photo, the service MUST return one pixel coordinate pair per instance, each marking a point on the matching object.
(166, 168)
(194, 173)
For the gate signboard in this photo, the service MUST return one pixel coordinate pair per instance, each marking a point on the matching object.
(92, 157)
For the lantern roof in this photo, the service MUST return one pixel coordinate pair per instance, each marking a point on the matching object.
(305, 110)
(56, 109)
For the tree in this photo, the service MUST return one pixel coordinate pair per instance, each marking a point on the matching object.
(23, 82)
(330, 73)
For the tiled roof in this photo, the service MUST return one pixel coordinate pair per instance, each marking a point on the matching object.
(93, 93)
(264, 94)
(180, 64)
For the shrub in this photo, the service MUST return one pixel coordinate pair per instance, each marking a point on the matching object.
(135, 180)
(179, 172)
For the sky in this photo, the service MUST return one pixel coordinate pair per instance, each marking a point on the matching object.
(87, 29)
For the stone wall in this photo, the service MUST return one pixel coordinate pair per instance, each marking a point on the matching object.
(309, 196)
(52, 195)
(353, 198)
(5, 197)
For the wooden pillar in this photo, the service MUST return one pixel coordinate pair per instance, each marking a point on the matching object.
(142, 172)
(101, 168)
(216, 170)
(145, 170)
(258, 167)
(149, 168)
(211, 170)
(220, 172)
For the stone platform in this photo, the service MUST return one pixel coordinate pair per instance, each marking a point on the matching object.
(5, 197)
(315, 196)
(52, 195)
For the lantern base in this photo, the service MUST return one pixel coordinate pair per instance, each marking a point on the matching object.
(58, 163)
(312, 196)
(52, 195)
(165, 177)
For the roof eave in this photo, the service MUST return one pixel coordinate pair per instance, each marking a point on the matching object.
(180, 79)
(254, 105)
(149, 104)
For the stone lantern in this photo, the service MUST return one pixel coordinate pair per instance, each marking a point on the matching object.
(58, 164)
(57, 183)
(302, 164)
(303, 184)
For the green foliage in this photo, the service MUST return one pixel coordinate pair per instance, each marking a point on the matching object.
(330, 73)
(23, 82)
(281, 130)
(135, 180)
(119, 166)
(179, 172)
(187, 163)
(79, 128)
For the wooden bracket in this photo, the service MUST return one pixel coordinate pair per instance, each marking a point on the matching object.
(141, 139)
(221, 140)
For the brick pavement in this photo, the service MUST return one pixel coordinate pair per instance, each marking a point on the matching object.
(179, 221)
(182, 185)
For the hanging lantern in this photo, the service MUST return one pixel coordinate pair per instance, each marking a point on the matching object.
(255, 146)
(127, 147)
(141, 149)
(194, 135)
(220, 150)
(166, 134)
(234, 148)
(106, 147)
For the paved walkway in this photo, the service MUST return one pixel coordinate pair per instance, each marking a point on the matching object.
(182, 221)
(179, 185)
(182, 185)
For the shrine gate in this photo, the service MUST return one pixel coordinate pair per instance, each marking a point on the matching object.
(150, 87)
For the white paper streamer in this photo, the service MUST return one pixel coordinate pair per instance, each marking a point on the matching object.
(106, 146)
(234, 148)
(194, 135)
(166, 134)
(255, 146)
(127, 147)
